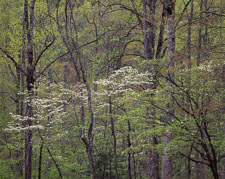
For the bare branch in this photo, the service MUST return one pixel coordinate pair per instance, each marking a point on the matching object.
(43, 51)
(13, 60)
(47, 66)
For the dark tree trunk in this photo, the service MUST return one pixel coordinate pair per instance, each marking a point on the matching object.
(189, 35)
(40, 161)
(30, 85)
(129, 153)
(200, 35)
(114, 138)
(52, 157)
(206, 27)
(153, 162)
(161, 34)
(149, 52)
(149, 28)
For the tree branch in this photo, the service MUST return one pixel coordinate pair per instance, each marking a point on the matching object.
(47, 66)
(43, 51)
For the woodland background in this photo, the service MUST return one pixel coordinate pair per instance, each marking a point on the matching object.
(112, 89)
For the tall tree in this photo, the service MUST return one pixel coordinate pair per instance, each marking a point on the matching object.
(170, 12)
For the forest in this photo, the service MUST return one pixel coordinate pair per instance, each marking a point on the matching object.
(104, 89)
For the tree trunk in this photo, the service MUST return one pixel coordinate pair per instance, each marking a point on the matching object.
(166, 161)
(188, 162)
(114, 138)
(76, 56)
(30, 85)
(149, 29)
(206, 28)
(40, 161)
(170, 11)
(134, 166)
(153, 162)
(189, 35)
(200, 35)
(161, 34)
(129, 153)
(149, 51)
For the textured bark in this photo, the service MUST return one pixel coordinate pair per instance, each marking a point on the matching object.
(189, 35)
(170, 11)
(30, 85)
(91, 123)
(129, 153)
(197, 168)
(200, 35)
(149, 52)
(166, 161)
(149, 28)
(206, 27)
(188, 165)
(114, 138)
(161, 34)
(152, 162)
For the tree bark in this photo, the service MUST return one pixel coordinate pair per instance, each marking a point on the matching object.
(30, 85)
(114, 138)
(188, 162)
(189, 35)
(161, 34)
(200, 35)
(149, 28)
(153, 161)
(129, 153)
(149, 52)
(170, 12)
(40, 161)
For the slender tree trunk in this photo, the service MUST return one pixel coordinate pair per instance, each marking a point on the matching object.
(40, 161)
(129, 153)
(23, 58)
(188, 163)
(189, 35)
(161, 34)
(200, 35)
(30, 85)
(170, 11)
(91, 122)
(145, 30)
(206, 28)
(76, 56)
(114, 138)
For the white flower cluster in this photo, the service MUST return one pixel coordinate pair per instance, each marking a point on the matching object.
(124, 80)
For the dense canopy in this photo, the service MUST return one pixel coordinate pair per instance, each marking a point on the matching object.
(112, 89)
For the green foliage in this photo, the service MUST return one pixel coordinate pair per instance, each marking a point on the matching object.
(106, 39)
